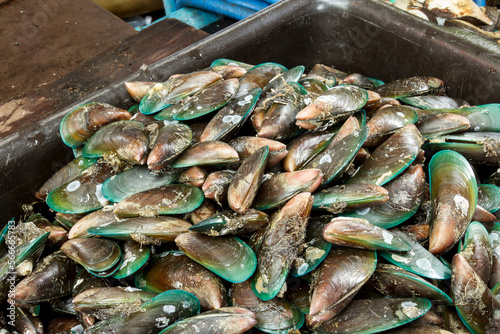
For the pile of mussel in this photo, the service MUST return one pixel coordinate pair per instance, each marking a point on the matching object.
(248, 199)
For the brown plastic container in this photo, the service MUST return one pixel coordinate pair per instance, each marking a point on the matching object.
(364, 36)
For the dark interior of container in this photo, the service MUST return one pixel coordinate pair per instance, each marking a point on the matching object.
(367, 37)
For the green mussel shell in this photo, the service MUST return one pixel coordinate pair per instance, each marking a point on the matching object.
(365, 316)
(176, 88)
(359, 233)
(453, 190)
(405, 196)
(418, 260)
(228, 257)
(135, 180)
(155, 315)
(135, 256)
(390, 158)
(169, 199)
(393, 281)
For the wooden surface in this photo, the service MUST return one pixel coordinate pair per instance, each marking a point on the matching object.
(41, 41)
(110, 60)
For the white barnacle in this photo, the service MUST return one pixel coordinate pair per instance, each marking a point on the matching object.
(73, 186)
(423, 263)
(387, 236)
(169, 309)
(325, 159)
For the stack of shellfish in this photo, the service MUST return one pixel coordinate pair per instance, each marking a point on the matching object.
(244, 198)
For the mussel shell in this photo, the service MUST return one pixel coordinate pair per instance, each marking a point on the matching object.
(106, 302)
(278, 250)
(434, 102)
(230, 118)
(477, 306)
(81, 123)
(169, 199)
(156, 314)
(135, 256)
(488, 196)
(246, 146)
(410, 87)
(495, 245)
(174, 270)
(52, 278)
(126, 139)
(259, 76)
(85, 281)
(224, 61)
(393, 281)
(278, 123)
(207, 209)
(273, 316)
(31, 249)
(418, 260)
(387, 120)
(477, 250)
(247, 179)
(228, 257)
(359, 80)
(336, 104)
(194, 176)
(230, 71)
(206, 101)
(94, 254)
(375, 315)
(175, 88)
(142, 229)
(305, 147)
(329, 75)
(231, 223)
(138, 89)
(279, 188)
(25, 322)
(431, 126)
(405, 196)
(337, 280)
(314, 87)
(216, 185)
(477, 147)
(67, 220)
(299, 296)
(350, 197)
(280, 80)
(206, 153)
(83, 194)
(390, 158)
(316, 248)
(134, 180)
(359, 233)
(419, 329)
(229, 320)
(171, 141)
(97, 218)
(483, 118)
(63, 325)
(337, 157)
(57, 233)
(64, 175)
(453, 197)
